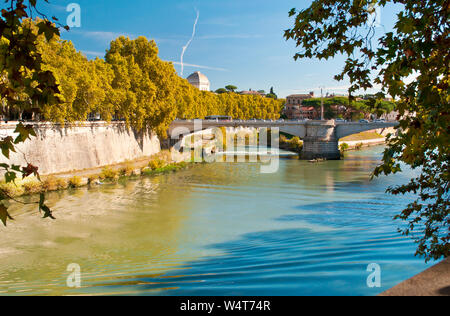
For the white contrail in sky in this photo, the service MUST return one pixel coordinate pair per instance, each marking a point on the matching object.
(198, 66)
(189, 42)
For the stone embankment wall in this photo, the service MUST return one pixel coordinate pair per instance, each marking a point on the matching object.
(371, 142)
(365, 143)
(80, 146)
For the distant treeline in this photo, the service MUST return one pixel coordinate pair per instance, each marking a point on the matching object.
(356, 109)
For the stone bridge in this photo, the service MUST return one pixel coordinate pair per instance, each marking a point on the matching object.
(320, 138)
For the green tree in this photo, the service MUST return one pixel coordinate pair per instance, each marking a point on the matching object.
(221, 90)
(379, 106)
(418, 46)
(231, 88)
(272, 94)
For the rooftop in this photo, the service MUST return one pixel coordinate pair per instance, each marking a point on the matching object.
(251, 92)
(310, 95)
(198, 77)
(199, 80)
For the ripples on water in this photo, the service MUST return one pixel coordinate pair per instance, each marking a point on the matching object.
(218, 229)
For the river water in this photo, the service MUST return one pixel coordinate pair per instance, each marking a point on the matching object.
(217, 229)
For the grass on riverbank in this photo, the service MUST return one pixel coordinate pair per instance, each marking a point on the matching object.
(166, 169)
(362, 136)
(160, 163)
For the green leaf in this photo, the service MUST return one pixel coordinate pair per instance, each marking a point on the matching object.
(10, 176)
(41, 199)
(6, 146)
(4, 215)
(44, 208)
(24, 133)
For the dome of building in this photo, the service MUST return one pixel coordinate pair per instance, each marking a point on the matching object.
(199, 80)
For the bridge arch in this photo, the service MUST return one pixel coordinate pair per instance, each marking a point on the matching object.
(299, 131)
(355, 128)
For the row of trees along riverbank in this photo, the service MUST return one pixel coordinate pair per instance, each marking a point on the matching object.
(132, 83)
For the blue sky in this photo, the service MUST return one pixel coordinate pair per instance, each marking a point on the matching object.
(237, 42)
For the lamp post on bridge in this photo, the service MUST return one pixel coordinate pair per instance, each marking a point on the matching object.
(322, 112)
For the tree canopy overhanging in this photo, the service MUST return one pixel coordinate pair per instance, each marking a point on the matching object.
(418, 47)
(24, 82)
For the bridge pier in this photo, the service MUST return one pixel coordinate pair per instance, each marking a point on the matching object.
(315, 148)
(320, 141)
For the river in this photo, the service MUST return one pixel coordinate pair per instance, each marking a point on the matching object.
(217, 229)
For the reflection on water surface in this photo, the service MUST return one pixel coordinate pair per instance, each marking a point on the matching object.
(217, 229)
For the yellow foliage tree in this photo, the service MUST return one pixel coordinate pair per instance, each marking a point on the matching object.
(133, 84)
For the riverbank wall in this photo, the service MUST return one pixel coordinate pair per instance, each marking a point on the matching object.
(58, 149)
(87, 145)
(356, 144)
